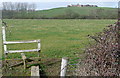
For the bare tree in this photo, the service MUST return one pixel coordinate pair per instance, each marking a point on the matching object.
(17, 9)
(31, 7)
(18, 6)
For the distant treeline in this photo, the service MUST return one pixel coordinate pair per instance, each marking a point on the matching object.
(27, 11)
(12, 10)
(93, 14)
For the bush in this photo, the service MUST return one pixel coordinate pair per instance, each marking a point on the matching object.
(103, 57)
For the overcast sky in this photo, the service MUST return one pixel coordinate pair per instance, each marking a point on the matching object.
(59, 0)
(49, 4)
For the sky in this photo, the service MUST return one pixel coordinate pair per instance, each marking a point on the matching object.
(49, 4)
(60, 0)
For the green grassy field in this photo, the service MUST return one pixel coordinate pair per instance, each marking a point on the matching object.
(59, 38)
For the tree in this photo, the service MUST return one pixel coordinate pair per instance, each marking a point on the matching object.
(13, 9)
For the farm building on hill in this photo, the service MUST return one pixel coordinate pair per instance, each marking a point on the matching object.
(78, 5)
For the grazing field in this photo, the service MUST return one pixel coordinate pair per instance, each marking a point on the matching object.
(59, 38)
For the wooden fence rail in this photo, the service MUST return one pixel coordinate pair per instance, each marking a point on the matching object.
(5, 43)
(15, 42)
(18, 51)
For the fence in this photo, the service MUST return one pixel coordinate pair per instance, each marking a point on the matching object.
(59, 67)
(5, 43)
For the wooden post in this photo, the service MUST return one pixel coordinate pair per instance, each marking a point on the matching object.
(39, 46)
(63, 66)
(35, 72)
(24, 60)
(4, 39)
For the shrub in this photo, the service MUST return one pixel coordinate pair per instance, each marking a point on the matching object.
(103, 57)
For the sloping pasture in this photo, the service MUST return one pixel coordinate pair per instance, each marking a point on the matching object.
(59, 38)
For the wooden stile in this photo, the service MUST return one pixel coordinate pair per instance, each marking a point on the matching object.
(34, 69)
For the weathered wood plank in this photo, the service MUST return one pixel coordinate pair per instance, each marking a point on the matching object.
(39, 46)
(29, 61)
(24, 60)
(17, 64)
(4, 39)
(64, 66)
(3, 33)
(18, 51)
(15, 42)
(35, 71)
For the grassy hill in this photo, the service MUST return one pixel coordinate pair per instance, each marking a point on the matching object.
(67, 13)
(77, 12)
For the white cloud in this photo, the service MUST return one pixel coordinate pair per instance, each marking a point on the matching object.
(60, 1)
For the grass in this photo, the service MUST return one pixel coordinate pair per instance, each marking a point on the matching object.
(82, 11)
(59, 38)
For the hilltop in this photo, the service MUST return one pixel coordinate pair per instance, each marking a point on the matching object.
(78, 12)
